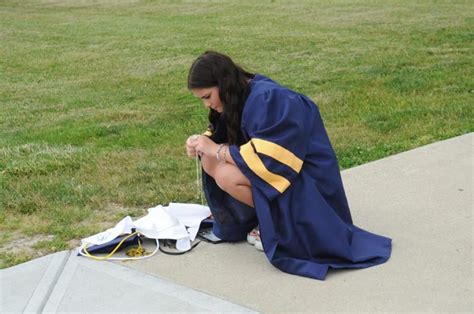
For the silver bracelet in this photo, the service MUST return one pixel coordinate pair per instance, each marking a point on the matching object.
(225, 153)
(218, 151)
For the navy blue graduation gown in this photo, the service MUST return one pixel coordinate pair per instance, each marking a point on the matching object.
(300, 204)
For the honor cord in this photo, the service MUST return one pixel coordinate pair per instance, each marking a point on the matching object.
(199, 179)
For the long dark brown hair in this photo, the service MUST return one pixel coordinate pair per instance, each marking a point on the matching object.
(213, 69)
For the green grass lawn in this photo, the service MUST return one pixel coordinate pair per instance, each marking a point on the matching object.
(94, 109)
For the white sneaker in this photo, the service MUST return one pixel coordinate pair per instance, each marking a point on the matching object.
(253, 237)
(258, 244)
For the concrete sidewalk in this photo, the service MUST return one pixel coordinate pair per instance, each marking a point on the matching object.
(64, 282)
(422, 199)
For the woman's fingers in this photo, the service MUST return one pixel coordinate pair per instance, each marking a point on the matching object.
(201, 145)
(191, 143)
(190, 151)
(205, 146)
(192, 139)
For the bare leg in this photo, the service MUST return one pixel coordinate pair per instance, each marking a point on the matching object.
(233, 181)
(229, 178)
(209, 165)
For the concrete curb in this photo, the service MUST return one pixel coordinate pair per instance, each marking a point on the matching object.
(26, 287)
(45, 287)
(108, 287)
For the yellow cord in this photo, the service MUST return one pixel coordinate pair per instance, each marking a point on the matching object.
(101, 258)
(137, 251)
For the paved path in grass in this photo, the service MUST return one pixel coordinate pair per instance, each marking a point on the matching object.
(422, 199)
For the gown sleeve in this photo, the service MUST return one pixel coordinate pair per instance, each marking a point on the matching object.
(278, 123)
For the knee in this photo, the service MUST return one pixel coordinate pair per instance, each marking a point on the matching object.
(208, 166)
(224, 179)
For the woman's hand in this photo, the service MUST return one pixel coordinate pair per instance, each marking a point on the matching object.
(190, 151)
(201, 145)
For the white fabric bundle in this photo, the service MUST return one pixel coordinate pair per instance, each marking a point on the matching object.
(178, 221)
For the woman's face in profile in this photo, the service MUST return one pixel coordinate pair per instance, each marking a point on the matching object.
(210, 97)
